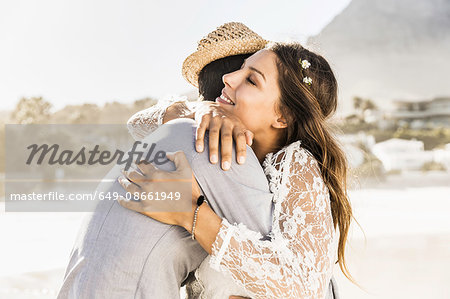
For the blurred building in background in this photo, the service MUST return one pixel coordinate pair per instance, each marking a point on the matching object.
(401, 154)
(425, 113)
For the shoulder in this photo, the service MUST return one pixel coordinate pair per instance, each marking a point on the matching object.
(293, 154)
(303, 167)
(301, 157)
(291, 162)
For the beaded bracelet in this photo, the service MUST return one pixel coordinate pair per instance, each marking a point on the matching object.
(201, 199)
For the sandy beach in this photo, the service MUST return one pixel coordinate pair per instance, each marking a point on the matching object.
(405, 252)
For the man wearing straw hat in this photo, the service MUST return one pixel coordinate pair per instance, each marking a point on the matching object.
(122, 254)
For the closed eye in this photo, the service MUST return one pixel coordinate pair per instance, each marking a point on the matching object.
(250, 81)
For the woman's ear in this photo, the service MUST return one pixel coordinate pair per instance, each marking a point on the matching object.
(280, 123)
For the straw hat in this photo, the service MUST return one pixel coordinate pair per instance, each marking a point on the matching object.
(227, 40)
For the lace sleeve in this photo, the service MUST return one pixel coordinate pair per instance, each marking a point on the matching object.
(146, 121)
(297, 261)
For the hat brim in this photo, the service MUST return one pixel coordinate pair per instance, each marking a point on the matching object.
(195, 62)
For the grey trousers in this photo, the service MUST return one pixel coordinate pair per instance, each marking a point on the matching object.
(120, 253)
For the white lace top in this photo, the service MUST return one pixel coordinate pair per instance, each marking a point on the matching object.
(298, 259)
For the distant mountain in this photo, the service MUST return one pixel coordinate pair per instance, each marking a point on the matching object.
(389, 49)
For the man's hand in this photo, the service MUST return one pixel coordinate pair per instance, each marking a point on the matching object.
(223, 126)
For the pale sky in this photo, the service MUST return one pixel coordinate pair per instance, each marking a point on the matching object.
(95, 51)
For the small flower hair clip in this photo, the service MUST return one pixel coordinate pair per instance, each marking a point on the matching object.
(304, 63)
(307, 80)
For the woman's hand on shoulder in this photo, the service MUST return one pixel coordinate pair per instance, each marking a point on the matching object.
(224, 127)
(177, 110)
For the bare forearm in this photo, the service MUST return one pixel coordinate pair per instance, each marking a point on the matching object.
(206, 228)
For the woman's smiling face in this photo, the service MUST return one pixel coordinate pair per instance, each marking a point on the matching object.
(252, 92)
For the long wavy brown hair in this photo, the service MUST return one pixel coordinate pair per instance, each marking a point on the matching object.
(307, 108)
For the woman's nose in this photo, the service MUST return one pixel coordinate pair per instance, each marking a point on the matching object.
(225, 79)
(230, 79)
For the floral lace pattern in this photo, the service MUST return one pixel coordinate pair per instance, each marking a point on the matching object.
(297, 262)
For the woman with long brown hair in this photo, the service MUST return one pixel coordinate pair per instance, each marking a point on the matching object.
(284, 95)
